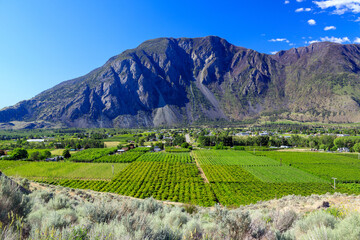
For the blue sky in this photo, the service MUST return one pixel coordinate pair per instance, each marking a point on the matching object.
(45, 42)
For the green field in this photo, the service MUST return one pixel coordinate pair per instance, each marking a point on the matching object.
(344, 167)
(91, 154)
(120, 158)
(167, 157)
(310, 157)
(174, 149)
(80, 184)
(5, 164)
(235, 194)
(64, 170)
(228, 157)
(164, 181)
(238, 177)
(283, 174)
(216, 173)
(164, 176)
(231, 178)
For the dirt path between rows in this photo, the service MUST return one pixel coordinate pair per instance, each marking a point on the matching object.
(202, 174)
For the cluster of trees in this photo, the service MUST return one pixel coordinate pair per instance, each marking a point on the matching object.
(176, 139)
(348, 142)
(35, 156)
(79, 143)
(21, 153)
(22, 143)
(18, 153)
(66, 154)
(216, 140)
(326, 142)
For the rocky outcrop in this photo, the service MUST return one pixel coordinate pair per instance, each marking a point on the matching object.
(168, 81)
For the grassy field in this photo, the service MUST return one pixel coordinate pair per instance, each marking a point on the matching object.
(310, 157)
(91, 154)
(5, 164)
(59, 152)
(228, 157)
(111, 144)
(344, 167)
(283, 174)
(120, 158)
(65, 170)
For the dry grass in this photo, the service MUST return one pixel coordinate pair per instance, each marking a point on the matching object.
(311, 203)
(111, 144)
(59, 152)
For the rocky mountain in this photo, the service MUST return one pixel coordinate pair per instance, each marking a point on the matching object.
(169, 81)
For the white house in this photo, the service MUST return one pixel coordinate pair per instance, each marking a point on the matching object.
(283, 146)
(35, 140)
(344, 149)
(157, 149)
(242, 134)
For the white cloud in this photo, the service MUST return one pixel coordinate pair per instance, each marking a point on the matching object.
(341, 6)
(329, 28)
(311, 22)
(303, 10)
(311, 42)
(357, 40)
(279, 40)
(335, 40)
(274, 52)
(357, 20)
(299, 0)
(287, 2)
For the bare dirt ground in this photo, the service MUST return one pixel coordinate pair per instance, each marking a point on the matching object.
(311, 203)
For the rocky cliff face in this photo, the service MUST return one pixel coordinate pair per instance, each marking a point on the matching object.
(170, 81)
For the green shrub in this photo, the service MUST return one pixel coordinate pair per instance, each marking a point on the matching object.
(59, 202)
(12, 200)
(100, 211)
(316, 220)
(19, 153)
(239, 148)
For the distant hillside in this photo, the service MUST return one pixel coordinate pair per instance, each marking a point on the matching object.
(170, 81)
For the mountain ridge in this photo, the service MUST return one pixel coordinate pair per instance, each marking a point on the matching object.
(172, 81)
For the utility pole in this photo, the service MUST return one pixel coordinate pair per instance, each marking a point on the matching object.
(334, 182)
